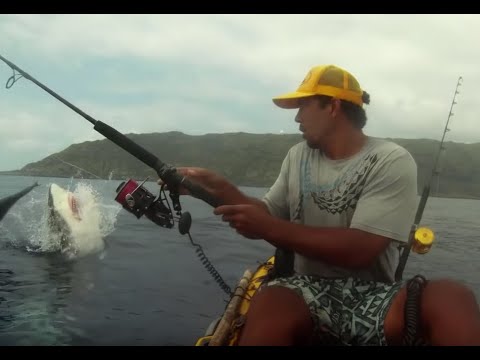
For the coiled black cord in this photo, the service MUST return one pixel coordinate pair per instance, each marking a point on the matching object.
(210, 268)
(199, 250)
(412, 311)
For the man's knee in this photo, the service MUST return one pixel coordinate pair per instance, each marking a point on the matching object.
(450, 314)
(443, 303)
(443, 297)
(277, 312)
(277, 303)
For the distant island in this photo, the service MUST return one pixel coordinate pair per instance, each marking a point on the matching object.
(246, 159)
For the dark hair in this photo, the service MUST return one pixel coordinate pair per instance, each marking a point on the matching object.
(355, 113)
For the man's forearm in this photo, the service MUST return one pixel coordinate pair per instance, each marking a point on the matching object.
(351, 248)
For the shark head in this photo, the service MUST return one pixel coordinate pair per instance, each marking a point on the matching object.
(63, 214)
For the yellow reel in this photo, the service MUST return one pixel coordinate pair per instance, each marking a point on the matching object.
(423, 240)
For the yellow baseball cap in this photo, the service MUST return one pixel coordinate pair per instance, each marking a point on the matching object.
(327, 80)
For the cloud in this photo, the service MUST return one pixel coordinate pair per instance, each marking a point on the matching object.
(217, 73)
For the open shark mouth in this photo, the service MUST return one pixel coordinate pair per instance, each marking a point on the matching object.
(72, 202)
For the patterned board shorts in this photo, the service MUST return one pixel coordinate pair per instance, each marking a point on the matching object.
(344, 311)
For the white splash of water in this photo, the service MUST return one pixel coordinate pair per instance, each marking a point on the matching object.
(97, 222)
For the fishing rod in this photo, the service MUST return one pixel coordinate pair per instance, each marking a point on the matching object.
(166, 172)
(135, 198)
(426, 192)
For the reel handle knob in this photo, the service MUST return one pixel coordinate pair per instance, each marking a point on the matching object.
(184, 223)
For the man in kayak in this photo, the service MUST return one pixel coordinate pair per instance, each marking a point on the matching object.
(343, 202)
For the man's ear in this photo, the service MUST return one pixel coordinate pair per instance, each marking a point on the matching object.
(335, 107)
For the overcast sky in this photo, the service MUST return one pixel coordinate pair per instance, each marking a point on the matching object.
(213, 74)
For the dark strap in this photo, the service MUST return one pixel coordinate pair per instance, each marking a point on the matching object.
(415, 288)
(283, 266)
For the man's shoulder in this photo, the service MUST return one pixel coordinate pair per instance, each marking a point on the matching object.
(388, 149)
(298, 148)
(394, 159)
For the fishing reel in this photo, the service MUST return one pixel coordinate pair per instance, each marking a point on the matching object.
(136, 199)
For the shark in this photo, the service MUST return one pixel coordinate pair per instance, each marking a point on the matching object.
(63, 214)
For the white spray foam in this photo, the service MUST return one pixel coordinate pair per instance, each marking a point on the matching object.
(87, 234)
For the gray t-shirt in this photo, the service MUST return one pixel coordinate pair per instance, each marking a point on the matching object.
(375, 190)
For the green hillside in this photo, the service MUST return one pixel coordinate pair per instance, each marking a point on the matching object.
(246, 159)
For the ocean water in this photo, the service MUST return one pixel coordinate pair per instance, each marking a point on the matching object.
(132, 282)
